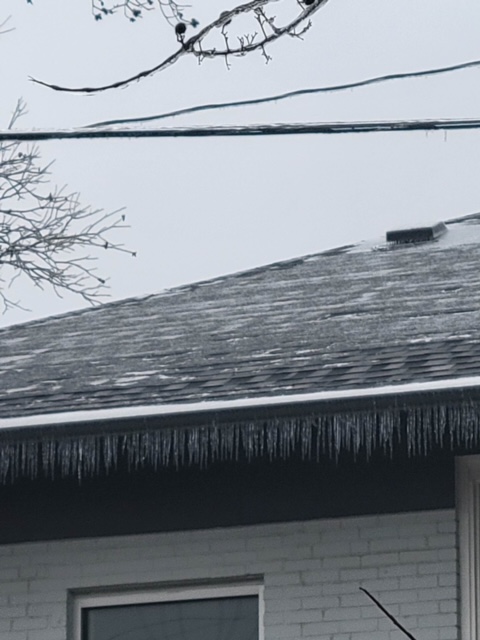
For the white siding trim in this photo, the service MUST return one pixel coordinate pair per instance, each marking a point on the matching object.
(145, 595)
(468, 513)
(117, 413)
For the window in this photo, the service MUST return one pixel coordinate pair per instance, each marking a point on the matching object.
(200, 613)
(468, 511)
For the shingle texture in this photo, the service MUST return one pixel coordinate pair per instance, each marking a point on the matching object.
(360, 316)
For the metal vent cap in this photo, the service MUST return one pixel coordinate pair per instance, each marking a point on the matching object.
(417, 234)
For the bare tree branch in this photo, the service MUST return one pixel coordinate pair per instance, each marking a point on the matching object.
(199, 46)
(172, 11)
(132, 9)
(289, 94)
(46, 234)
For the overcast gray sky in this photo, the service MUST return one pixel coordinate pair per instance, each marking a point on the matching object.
(199, 208)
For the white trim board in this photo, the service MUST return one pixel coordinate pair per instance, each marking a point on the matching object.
(96, 415)
(468, 514)
(144, 594)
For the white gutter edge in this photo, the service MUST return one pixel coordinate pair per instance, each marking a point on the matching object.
(95, 415)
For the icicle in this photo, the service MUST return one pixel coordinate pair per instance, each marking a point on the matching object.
(214, 442)
(306, 434)
(5, 461)
(419, 429)
(30, 459)
(110, 450)
(205, 447)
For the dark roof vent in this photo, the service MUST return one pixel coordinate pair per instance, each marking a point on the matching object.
(418, 234)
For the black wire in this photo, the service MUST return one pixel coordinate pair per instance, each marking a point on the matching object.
(293, 94)
(250, 130)
(388, 614)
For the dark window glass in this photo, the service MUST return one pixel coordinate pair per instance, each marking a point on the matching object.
(212, 619)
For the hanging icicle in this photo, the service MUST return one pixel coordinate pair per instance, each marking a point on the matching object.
(414, 429)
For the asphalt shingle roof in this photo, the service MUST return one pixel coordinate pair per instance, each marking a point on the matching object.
(359, 316)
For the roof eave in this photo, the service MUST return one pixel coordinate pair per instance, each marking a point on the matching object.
(415, 418)
(207, 407)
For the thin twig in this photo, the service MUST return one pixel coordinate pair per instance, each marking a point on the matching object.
(4, 30)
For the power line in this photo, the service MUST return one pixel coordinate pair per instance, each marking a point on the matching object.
(294, 94)
(325, 128)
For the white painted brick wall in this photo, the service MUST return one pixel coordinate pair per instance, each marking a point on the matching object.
(312, 574)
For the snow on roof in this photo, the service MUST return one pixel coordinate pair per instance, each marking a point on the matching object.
(361, 316)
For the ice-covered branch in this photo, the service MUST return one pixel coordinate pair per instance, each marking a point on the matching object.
(265, 30)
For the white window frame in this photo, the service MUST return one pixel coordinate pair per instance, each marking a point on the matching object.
(144, 594)
(468, 516)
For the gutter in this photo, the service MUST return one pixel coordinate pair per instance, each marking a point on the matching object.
(218, 406)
